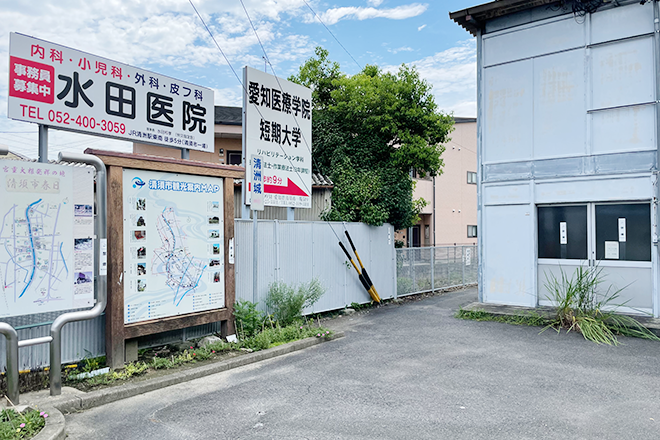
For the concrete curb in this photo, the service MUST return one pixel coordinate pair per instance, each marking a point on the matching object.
(652, 324)
(83, 401)
(54, 429)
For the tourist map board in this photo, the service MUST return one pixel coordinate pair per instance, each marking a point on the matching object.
(173, 244)
(46, 238)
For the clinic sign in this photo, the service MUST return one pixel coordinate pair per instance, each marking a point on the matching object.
(278, 127)
(72, 90)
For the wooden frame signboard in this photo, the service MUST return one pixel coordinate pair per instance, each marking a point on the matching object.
(170, 229)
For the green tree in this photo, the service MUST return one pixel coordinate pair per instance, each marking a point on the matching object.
(369, 130)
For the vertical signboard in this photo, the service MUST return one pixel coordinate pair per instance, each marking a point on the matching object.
(278, 127)
(256, 183)
(72, 90)
(46, 238)
(173, 244)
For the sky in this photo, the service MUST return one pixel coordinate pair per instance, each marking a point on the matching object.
(168, 37)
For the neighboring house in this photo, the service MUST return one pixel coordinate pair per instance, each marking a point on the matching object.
(450, 216)
(568, 111)
(228, 150)
(11, 155)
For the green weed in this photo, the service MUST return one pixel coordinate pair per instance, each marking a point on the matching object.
(25, 425)
(583, 306)
(531, 319)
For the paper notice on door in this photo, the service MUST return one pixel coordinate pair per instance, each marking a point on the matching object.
(611, 250)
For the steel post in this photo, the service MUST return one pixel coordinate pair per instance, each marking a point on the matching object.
(185, 153)
(433, 269)
(463, 262)
(101, 285)
(12, 361)
(43, 143)
(255, 247)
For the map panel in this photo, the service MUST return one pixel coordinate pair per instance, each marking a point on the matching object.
(173, 245)
(46, 246)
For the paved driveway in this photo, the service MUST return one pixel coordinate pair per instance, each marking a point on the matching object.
(410, 372)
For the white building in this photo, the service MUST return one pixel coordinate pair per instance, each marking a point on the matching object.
(568, 125)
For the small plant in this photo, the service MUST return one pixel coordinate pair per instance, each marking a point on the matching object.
(25, 425)
(531, 318)
(287, 304)
(583, 307)
(249, 320)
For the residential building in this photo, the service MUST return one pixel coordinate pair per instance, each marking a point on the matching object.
(450, 215)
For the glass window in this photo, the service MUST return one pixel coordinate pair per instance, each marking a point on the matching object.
(234, 158)
(472, 231)
(623, 232)
(471, 177)
(562, 232)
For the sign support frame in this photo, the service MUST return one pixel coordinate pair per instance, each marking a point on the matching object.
(117, 332)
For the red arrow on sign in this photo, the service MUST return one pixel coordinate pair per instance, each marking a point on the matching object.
(291, 189)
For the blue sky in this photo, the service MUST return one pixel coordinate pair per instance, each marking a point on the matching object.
(167, 37)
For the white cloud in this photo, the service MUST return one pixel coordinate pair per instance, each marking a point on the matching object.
(332, 16)
(453, 74)
(401, 49)
(421, 27)
(374, 3)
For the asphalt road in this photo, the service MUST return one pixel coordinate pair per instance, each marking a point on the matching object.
(409, 372)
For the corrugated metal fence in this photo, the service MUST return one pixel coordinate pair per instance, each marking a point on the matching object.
(292, 252)
(296, 252)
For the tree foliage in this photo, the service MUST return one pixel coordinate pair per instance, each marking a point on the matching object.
(369, 130)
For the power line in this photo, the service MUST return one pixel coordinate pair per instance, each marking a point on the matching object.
(309, 190)
(333, 35)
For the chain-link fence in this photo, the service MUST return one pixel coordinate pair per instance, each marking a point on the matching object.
(429, 268)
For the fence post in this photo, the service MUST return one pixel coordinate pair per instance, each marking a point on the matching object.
(463, 263)
(433, 269)
(412, 269)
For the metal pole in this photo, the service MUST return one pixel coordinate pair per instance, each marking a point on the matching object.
(185, 153)
(412, 269)
(480, 223)
(255, 247)
(433, 268)
(101, 285)
(656, 21)
(463, 262)
(245, 210)
(43, 143)
(12, 361)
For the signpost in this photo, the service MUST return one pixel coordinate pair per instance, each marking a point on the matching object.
(278, 126)
(54, 85)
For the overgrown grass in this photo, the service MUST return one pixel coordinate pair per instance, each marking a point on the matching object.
(286, 303)
(585, 306)
(25, 425)
(531, 318)
(267, 338)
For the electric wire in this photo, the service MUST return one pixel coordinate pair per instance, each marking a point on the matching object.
(333, 35)
(243, 86)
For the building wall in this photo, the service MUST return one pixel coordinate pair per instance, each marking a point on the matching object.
(455, 199)
(568, 115)
(227, 138)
